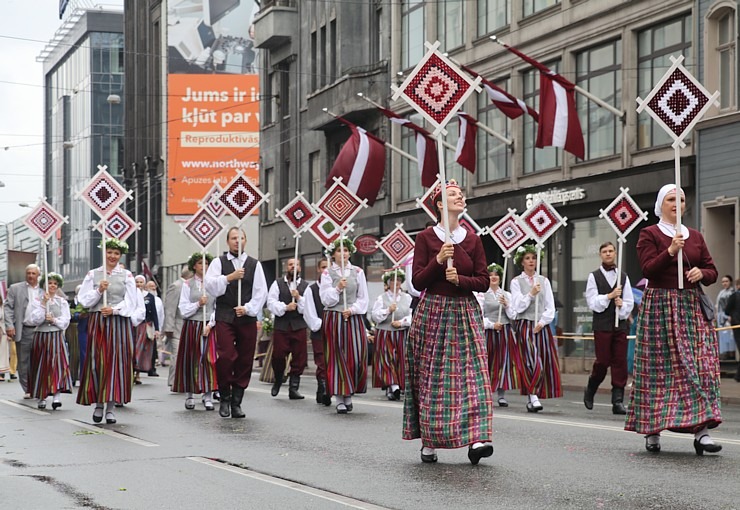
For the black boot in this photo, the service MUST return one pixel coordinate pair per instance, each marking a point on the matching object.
(320, 390)
(276, 386)
(295, 382)
(224, 406)
(589, 393)
(617, 399)
(236, 402)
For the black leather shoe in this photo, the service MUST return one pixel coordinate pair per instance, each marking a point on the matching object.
(341, 408)
(589, 393)
(476, 454)
(98, 415)
(224, 405)
(236, 402)
(617, 401)
(653, 448)
(709, 448)
(110, 418)
(295, 382)
(428, 459)
(276, 387)
(152, 373)
(397, 394)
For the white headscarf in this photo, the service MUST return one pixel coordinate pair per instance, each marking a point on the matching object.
(667, 228)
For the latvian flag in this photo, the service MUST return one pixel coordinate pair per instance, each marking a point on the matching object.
(465, 153)
(426, 148)
(559, 125)
(360, 163)
(509, 105)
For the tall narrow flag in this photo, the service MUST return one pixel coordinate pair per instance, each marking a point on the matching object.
(509, 105)
(465, 153)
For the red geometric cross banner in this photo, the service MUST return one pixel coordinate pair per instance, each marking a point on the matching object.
(542, 220)
(426, 203)
(677, 102)
(241, 197)
(508, 232)
(103, 194)
(325, 230)
(211, 201)
(397, 244)
(44, 220)
(436, 88)
(297, 214)
(118, 225)
(203, 227)
(469, 224)
(623, 214)
(339, 203)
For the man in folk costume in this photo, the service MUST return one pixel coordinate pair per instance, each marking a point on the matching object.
(609, 292)
(236, 322)
(313, 313)
(285, 301)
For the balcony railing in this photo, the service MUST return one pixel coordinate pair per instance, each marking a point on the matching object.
(266, 4)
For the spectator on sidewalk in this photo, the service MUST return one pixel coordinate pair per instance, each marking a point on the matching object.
(732, 310)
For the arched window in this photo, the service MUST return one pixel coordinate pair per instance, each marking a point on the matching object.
(720, 70)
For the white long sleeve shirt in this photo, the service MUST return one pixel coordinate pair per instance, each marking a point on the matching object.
(380, 313)
(276, 306)
(216, 283)
(600, 302)
(38, 311)
(522, 301)
(313, 321)
(330, 296)
(509, 310)
(89, 295)
(189, 308)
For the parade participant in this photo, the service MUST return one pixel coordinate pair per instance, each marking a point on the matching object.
(313, 312)
(289, 337)
(108, 370)
(50, 373)
(195, 365)
(608, 293)
(236, 322)
(676, 380)
(4, 345)
(173, 321)
(503, 356)
(146, 331)
(392, 316)
(539, 369)
(448, 404)
(343, 292)
(151, 287)
(732, 310)
(18, 324)
(726, 343)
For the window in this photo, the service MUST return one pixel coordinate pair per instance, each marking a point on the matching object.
(720, 66)
(332, 57)
(599, 71)
(655, 46)
(532, 6)
(535, 159)
(410, 178)
(492, 15)
(322, 61)
(412, 32)
(450, 23)
(269, 212)
(314, 60)
(493, 154)
(314, 174)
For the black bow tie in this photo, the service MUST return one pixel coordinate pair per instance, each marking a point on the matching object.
(609, 267)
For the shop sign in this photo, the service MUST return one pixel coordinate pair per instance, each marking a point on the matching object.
(366, 244)
(557, 196)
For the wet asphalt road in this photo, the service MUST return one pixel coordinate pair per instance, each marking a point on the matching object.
(300, 455)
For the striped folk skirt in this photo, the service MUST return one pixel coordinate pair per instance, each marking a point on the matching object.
(143, 349)
(195, 368)
(539, 368)
(676, 377)
(107, 374)
(503, 358)
(345, 354)
(50, 372)
(448, 392)
(388, 358)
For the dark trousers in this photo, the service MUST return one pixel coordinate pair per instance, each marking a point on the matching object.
(235, 344)
(294, 343)
(318, 357)
(611, 351)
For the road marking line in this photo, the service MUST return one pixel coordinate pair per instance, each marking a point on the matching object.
(25, 408)
(287, 484)
(111, 433)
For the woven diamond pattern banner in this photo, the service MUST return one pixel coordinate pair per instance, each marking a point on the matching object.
(325, 230)
(542, 220)
(436, 88)
(211, 201)
(297, 214)
(469, 224)
(203, 227)
(118, 225)
(426, 203)
(678, 101)
(397, 244)
(623, 214)
(241, 198)
(339, 203)
(44, 220)
(508, 232)
(103, 194)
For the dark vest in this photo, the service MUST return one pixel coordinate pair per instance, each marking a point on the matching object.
(604, 321)
(317, 335)
(225, 304)
(290, 321)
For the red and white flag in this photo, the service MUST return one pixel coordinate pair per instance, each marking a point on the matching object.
(465, 153)
(426, 148)
(360, 163)
(559, 125)
(509, 105)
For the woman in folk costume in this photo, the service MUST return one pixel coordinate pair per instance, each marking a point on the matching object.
(676, 379)
(503, 356)
(448, 392)
(146, 330)
(343, 291)
(392, 316)
(195, 370)
(538, 352)
(50, 374)
(108, 370)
